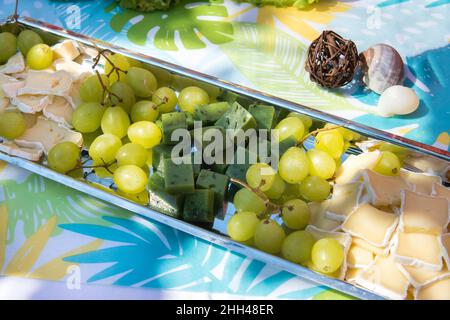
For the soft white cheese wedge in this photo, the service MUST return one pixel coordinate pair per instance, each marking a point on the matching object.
(359, 257)
(350, 168)
(420, 277)
(75, 69)
(46, 133)
(14, 150)
(29, 103)
(371, 224)
(318, 217)
(15, 64)
(421, 213)
(344, 200)
(74, 96)
(385, 278)
(438, 290)
(440, 191)
(353, 274)
(343, 238)
(421, 182)
(420, 250)
(375, 250)
(445, 243)
(383, 190)
(57, 83)
(426, 164)
(67, 50)
(59, 111)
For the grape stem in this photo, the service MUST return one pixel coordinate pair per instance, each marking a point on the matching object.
(106, 92)
(271, 208)
(104, 53)
(104, 165)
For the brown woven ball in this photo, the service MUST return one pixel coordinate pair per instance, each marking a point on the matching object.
(331, 60)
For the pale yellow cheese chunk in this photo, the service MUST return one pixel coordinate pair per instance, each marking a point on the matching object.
(318, 218)
(420, 277)
(358, 257)
(343, 238)
(384, 190)
(385, 278)
(375, 250)
(344, 200)
(350, 168)
(421, 182)
(67, 50)
(445, 241)
(353, 274)
(418, 250)
(59, 110)
(373, 225)
(438, 290)
(421, 213)
(440, 191)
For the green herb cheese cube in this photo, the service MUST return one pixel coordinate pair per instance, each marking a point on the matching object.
(243, 159)
(236, 118)
(210, 113)
(159, 153)
(215, 181)
(264, 115)
(170, 122)
(160, 200)
(178, 178)
(199, 206)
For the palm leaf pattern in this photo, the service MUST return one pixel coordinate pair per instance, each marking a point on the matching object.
(187, 19)
(274, 62)
(147, 254)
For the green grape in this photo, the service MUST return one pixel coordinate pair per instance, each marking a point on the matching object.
(246, 200)
(327, 255)
(389, 164)
(295, 214)
(269, 236)
(400, 152)
(297, 247)
(166, 99)
(307, 120)
(64, 156)
(314, 188)
(9, 46)
(332, 142)
(28, 39)
(291, 126)
(91, 89)
(293, 166)
(277, 188)
(104, 148)
(144, 110)
(87, 117)
(120, 62)
(130, 179)
(290, 192)
(190, 97)
(89, 137)
(115, 121)
(40, 57)
(261, 176)
(347, 134)
(321, 164)
(242, 225)
(122, 95)
(145, 133)
(12, 125)
(132, 153)
(165, 78)
(142, 81)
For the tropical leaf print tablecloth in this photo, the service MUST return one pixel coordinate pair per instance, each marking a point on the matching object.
(51, 232)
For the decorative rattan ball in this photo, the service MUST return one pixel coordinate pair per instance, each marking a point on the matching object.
(331, 60)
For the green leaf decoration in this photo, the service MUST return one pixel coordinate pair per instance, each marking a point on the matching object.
(190, 20)
(274, 62)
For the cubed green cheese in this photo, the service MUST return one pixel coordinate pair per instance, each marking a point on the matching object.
(243, 159)
(208, 135)
(210, 113)
(159, 153)
(199, 206)
(215, 181)
(169, 204)
(264, 115)
(170, 122)
(179, 178)
(235, 119)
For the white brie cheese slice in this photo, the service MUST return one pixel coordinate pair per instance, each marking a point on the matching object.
(421, 182)
(57, 83)
(14, 150)
(67, 50)
(344, 200)
(420, 277)
(59, 111)
(29, 103)
(75, 69)
(318, 217)
(14, 64)
(350, 168)
(438, 290)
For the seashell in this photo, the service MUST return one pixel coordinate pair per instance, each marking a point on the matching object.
(382, 66)
(397, 100)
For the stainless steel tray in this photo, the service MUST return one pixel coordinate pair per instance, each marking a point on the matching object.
(215, 235)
